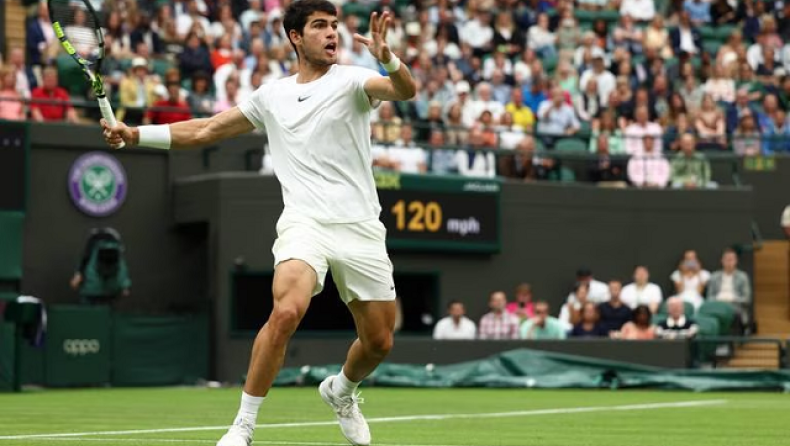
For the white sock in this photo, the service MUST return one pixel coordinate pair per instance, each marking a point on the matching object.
(249, 406)
(342, 386)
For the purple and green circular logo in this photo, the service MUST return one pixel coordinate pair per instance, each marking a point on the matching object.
(97, 184)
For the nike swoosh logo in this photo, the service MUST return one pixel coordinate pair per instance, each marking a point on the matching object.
(303, 98)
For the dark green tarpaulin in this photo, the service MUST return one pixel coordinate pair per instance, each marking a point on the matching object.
(159, 350)
(538, 369)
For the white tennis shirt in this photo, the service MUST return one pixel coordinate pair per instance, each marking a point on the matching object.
(319, 139)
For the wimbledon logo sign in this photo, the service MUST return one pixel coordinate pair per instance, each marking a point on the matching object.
(97, 184)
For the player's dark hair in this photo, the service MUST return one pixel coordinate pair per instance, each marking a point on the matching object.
(297, 13)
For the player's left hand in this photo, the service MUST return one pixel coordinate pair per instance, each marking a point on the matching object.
(377, 43)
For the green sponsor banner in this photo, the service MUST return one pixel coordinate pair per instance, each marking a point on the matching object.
(440, 213)
(78, 346)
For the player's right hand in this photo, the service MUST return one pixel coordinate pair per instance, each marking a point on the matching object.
(114, 136)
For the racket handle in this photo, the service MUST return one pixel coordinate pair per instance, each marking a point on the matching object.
(109, 116)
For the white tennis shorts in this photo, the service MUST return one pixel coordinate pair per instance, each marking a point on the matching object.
(355, 252)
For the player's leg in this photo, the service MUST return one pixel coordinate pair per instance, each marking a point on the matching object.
(293, 286)
(363, 275)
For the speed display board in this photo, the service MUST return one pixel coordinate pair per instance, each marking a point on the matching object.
(441, 213)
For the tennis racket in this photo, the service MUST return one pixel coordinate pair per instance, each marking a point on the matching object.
(77, 26)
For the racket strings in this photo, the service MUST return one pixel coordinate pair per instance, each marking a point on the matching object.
(78, 24)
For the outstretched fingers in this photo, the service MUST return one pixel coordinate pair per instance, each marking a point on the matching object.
(362, 39)
(374, 24)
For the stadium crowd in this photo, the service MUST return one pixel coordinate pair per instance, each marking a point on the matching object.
(647, 88)
(715, 303)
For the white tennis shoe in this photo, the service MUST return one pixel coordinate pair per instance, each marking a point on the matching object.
(240, 434)
(352, 423)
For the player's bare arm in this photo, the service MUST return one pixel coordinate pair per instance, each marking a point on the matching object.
(187, 134)
(399, 86)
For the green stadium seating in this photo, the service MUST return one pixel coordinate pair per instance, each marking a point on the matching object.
(160, 66)
(688, 309)
(708, 326)
(12, 225)
(711, 47)
(70, 76)
(707, 32)
(723, 312)
(550, 64)
(723, 32)
(571, 145)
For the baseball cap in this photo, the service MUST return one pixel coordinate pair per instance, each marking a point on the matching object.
(139, 62)
(462, 87)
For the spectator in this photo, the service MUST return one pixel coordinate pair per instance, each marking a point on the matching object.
(195, 56)
(690, 279)
(509, 134)
(120, 42)
(768, 116)
(672, 135)
(226, 25)
(137, 92)
(691, 93)
(171, 110)
(676, 107)
(640, 10)
(477, 32)
(191, 21)
(498, 324)
(690, 169)
(522, 115)
(641, 291)
(535, 95)
(604, 170)
(614, 313)
(387, 126)
(556, 118)
(500, 91)
(650, 169)
(746, 141)
(498, 62)
(143, 33)
(571, 312)
(568, 79)
(231, 96)
(568, 35)
(456, 325)
(525, 164)
(486, 124)
(598, 291)
(474, 161)
(605, 80)
(722, 13)
(727, 56)
(25, 79)
(50, 102)
(710, 125)
(769, 71)
(484, 102)
(640, 328)
(200, 99)
(42, 44)
(442, 160)
(456, 133)
(606, 125)
(685, 38)
(733, 286)
(523, 307)
(676, 325)
(542, 326)
(222, 52)
(635, 132)
(589, 325)
(719, 87)
(656, 37)
(627, 35)
(406, 155)
(737, 110)
(593, 5)
(540, 38)
(698, 11)
(11, 106)
(588, 104)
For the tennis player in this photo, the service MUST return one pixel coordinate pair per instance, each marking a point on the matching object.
(318, 126)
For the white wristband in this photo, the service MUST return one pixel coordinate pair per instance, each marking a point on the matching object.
(393, 65)
(155, 136)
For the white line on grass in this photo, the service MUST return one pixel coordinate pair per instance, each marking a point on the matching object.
(436, 417)
(257, 442)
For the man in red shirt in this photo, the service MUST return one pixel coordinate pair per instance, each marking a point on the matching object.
(51, 102)
(174, 109)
